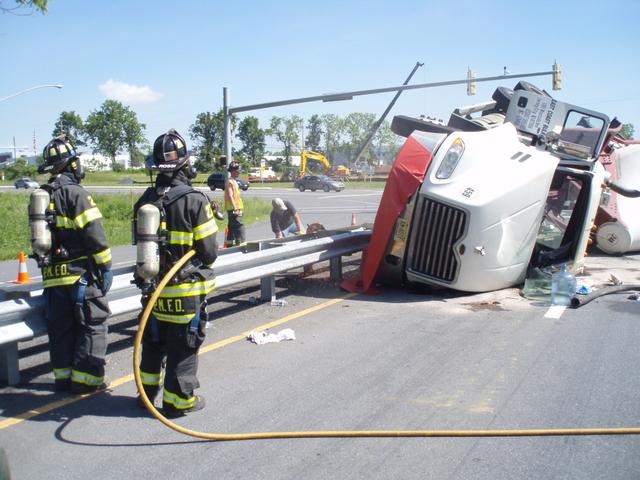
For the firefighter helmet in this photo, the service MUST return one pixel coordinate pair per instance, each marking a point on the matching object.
(58, 153)
(169, 152)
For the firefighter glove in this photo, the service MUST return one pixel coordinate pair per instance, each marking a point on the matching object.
(106, 279)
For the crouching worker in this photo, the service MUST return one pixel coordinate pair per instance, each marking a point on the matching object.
(285, 219)
(71, 248)
(179, 219)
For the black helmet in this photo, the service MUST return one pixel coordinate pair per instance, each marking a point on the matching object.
(169, 152)
(233, 166)
(58, 153)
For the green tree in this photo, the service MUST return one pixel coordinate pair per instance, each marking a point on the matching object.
(253, 140)
(114, 128)
(627, 131)
(314, 137)
(333, 133)
(20, 168)
(208, 134)
(286, 131)
(357, 127)
(135, 142)
(70, 123)
(21, 5)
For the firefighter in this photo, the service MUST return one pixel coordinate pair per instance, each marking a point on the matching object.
(234, 206)
(175, 329)
(76, 273)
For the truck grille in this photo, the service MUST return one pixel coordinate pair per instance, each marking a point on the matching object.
(436, 229)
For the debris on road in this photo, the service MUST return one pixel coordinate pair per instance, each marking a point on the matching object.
(260, 338)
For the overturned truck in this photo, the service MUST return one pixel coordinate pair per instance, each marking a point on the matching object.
(504, 187)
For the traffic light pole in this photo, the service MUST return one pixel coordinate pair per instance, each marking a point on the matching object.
(334, 97)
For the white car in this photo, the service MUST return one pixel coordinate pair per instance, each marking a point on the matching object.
(26, 183)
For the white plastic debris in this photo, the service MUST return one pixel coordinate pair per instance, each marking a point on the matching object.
(261, 338)
(615, 280)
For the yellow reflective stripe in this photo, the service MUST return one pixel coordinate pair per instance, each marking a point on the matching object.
(102, 257)
(208, 228)
(235, 243)
(62, 281)
(189, 289)
(151, 379)
(62, 373)
(179, 319)
(64, 222)
(178, 402)
(86, 378)
(180, 238)
(87, 216)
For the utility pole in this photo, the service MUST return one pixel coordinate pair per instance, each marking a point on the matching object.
(376, 125)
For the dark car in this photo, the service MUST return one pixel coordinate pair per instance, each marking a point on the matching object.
(26, 183)
(216, 180)
(318, 182)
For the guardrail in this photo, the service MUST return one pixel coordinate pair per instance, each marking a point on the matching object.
(22, 306)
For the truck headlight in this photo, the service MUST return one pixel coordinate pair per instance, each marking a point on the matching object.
(451, 159)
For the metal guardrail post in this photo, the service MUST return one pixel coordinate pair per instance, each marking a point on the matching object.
(268, 288)
(335, 268)
(8, 363)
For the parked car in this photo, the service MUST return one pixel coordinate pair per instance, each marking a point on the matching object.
(318, 182)
(216, 180)
(26, 183)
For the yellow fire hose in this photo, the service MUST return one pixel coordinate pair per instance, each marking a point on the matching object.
(337, 433)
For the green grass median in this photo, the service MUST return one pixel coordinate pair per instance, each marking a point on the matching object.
(116, 210)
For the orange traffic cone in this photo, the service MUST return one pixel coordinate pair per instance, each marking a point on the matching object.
(226, 235)
(23, 273)
(353, 219)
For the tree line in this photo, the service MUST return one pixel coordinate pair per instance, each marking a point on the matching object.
(114, 128)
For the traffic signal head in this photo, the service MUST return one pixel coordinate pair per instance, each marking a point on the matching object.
(557, 76)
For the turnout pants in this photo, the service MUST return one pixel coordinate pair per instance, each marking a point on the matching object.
(165, 345)
(236, 235)
(77, 335)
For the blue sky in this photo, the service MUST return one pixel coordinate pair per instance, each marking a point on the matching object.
(169, 60)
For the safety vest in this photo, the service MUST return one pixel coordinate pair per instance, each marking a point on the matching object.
(235, 189)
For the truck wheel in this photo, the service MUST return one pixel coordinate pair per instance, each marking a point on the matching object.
(326, 188)
(301, 188)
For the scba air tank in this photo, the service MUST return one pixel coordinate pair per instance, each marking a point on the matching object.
(40, 231)
(148, 253)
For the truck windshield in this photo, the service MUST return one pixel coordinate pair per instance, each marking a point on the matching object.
(563, 197)
(582, 129)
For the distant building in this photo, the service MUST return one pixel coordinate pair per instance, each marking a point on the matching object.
(6, 158)
(95, 162)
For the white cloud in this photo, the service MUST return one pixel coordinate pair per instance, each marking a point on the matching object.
(127, 93)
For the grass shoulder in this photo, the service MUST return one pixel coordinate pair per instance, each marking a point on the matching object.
(117, 212)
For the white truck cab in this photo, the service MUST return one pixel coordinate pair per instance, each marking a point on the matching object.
(515, 188)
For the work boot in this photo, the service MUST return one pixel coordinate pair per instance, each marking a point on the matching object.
(172, 412)
(62, 386)
(81, 388)
(141, 403)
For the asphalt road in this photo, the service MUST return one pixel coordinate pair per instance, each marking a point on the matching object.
(394, 361)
